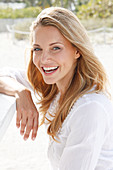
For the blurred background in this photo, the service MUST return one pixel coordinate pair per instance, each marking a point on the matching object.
(16, 17)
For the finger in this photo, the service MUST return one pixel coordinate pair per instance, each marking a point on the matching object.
(18, 119)
(35, 128)
(28, 128)
(23, 125)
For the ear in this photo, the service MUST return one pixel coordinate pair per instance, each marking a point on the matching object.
(77, 54)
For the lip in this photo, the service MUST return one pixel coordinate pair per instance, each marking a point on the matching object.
(49, 73)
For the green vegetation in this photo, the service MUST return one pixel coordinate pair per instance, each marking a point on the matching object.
(30, 12)
(95, 9)
(84, 9)
(92, 13)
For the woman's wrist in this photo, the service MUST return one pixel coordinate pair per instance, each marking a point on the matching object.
(22, 91)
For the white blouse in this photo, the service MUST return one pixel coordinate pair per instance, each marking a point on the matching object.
(86, 136)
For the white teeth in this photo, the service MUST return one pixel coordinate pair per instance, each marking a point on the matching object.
(49, 68)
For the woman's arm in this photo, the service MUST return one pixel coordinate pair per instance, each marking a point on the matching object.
(10, 86)
(17, 74)
(27, 113)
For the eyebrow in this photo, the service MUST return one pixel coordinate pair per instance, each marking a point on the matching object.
(36, 45)
(55, 43)
(49, 44)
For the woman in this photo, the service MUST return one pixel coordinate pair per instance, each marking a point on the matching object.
(64, 71)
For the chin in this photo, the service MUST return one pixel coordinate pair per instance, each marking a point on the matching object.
(49, 82)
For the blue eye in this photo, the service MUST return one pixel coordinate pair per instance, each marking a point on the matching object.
(56, 48)
(36, 49)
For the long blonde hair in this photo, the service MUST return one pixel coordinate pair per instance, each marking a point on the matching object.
(89, 72)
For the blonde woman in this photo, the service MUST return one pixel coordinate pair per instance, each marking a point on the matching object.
(71, 82)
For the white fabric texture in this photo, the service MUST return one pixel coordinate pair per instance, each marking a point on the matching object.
(86, 136)
(18, 74)
(7, 111)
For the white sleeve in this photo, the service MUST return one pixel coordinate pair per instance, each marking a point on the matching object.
(87, 134)
(17, 74)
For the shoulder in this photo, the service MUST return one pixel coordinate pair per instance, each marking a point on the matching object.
(98, 99)
(94, 107)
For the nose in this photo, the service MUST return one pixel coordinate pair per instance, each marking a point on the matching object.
(45, 57)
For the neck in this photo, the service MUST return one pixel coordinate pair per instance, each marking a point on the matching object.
(62, 88)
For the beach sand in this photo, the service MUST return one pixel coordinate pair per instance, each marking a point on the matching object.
(15, 153)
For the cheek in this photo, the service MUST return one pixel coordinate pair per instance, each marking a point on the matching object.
(35, 60)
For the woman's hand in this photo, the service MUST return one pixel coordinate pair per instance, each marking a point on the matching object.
(27, 114)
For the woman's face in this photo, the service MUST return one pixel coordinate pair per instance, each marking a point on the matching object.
(54, 56)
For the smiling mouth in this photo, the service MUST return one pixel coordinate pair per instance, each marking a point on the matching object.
(49, 69)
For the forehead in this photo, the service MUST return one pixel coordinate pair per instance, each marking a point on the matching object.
(46, 29)
(45, 34)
